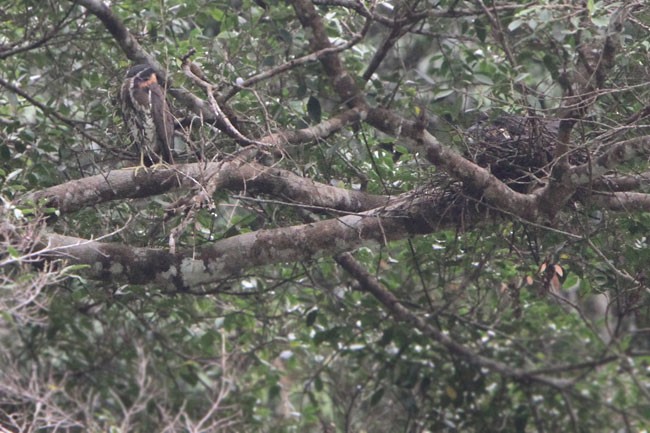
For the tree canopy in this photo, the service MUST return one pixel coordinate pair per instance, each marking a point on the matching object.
(418, 216)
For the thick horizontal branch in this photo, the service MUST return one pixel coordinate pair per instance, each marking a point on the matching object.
(316, 132)
(236, 175)
(116, 262)
(621, 182)
(554, 195)
(621, 201)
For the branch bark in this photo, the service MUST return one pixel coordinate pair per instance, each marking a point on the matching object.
(593, 63)
(191, 268)
(235, 175)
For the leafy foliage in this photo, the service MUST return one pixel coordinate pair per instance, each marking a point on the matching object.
(303, 345)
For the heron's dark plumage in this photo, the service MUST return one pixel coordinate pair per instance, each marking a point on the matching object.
(147, 115)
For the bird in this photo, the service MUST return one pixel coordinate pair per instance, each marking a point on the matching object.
(147, 115)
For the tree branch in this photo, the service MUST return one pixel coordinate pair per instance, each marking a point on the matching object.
(616, 155)
(235, 175)
(42, 41)
(312, 57)
(404, 216)
(621, 201)
(371, 285)
(120, 33)
(474, 177)
(582, 92)
(341, 80)
(51, 113)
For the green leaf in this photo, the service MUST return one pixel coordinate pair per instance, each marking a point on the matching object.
(376, 396)
(590, 6)
(480, 29)
(314, 109)
(515, 24)
(311, 317)
(483, 79)
(217, 14)
(441, 94)
(551, 65)
(74, 268)
(329, 335)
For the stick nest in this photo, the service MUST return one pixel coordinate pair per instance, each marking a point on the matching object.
(516, 149)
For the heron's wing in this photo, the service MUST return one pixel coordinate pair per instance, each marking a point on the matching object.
(129, 112)
(164, 122)
(128, 109)
(125, 100)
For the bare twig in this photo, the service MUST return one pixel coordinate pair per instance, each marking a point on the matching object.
(401, 313)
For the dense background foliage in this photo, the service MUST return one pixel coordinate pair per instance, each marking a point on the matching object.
(498, 323)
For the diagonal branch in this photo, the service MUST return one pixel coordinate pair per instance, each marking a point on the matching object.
(51, 113)
(390, 302)
(396, 32)
(581, 93)
(134, 51)
(120, 33)
(49, 35)
(341, 80)
(312, 57)
(476, 178)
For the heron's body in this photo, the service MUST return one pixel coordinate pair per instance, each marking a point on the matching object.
(147, 115)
